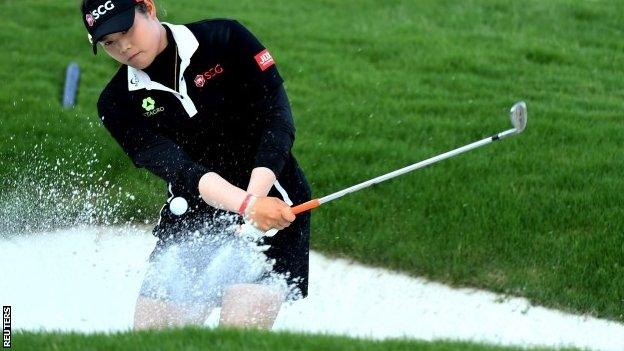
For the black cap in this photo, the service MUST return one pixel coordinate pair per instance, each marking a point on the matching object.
(103, 17)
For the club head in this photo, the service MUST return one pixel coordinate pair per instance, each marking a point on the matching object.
(519, 116)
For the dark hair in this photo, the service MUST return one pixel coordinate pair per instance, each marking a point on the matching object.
(141, 7)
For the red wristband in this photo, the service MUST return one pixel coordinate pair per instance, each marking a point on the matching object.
(243, 206)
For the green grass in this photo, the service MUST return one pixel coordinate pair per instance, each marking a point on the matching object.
(229, 340)
(377, 85)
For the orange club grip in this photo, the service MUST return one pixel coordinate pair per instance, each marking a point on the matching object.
(306, 206)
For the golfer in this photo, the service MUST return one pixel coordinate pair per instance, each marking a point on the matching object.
(202, 106)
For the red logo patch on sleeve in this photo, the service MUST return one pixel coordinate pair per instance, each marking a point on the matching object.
(264, 60)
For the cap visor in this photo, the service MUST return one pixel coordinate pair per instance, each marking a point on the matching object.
(119, 23)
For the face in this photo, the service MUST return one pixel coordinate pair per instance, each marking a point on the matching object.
(138, 46)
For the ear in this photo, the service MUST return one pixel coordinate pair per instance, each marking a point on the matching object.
(151, 9)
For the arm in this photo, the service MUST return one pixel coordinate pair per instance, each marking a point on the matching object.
(146, 148)
(274, 150)
(162, 156)
(167, 160)
(262, 83)
(279, 135)
(263, 212)
(276, 142)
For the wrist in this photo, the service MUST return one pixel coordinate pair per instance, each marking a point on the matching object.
(247, 204)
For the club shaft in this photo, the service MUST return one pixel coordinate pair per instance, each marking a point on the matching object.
(415, 166)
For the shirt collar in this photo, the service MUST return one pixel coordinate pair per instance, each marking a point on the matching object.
(187, 45)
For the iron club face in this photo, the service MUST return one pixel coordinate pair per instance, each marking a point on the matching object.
(519, 116)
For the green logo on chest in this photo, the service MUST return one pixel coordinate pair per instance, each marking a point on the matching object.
(149, 104)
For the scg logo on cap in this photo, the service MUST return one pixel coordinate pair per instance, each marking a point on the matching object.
(99, 11)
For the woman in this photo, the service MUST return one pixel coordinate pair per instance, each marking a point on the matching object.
(202, 106)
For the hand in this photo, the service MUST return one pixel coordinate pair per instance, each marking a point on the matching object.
(268, 213)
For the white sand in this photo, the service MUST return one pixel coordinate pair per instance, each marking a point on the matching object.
(87, 279)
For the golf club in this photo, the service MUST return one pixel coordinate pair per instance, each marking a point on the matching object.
(518, 115)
